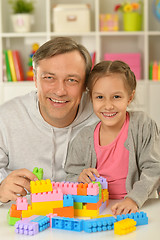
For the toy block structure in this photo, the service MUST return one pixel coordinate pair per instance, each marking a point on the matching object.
(124, 226)
(22, 203)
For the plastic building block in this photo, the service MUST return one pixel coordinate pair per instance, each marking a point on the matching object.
(102, 181)
(50, 215)
(94, 206)
(55, 195)
(41, 186)
(140, 217)
(103, 216)
(12, 220)
(86, 213)
(102, 207)
(93, 189)
(105, 195)
(26, 228)
(67, 201)
(27, 213)
(64, 212)
(124, 226)
(99, 224)
(38, 173)
(66, 187)
(44, 208)
(71, 224)
(82, 189)
(14, 212)
(78, 205)
(22, 203)
(43, 222)
(86, 199)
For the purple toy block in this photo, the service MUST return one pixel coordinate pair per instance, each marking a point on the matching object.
(93, 189)
(102, 207)
(22, 203)
(102, 181)
(55, 195)
(26, 227)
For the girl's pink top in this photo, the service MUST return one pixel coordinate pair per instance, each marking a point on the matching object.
(113, 160)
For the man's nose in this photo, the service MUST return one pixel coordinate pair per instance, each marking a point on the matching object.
(60, 88)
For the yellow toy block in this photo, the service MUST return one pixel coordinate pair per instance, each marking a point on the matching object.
(27, 213)
(124, 226)
(86, 213)
(103, 216)
(41, 186)
(44, 208)
(105, 195)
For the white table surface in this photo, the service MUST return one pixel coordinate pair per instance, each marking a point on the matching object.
(145, 232)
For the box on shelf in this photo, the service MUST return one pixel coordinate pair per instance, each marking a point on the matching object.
(108, 22)
(71, 18)
(132, 59)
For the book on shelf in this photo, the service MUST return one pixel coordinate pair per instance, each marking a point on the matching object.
(12, 66)
(14, 70)
(4, 70)
(8, 71)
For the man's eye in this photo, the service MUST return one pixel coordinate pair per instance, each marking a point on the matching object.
(72, 80)
(117, 96)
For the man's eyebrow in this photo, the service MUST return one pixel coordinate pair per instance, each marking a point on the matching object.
(44, 73)
(74, 75)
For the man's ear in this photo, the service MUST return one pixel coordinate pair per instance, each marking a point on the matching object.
(35, 79)
(131, 97)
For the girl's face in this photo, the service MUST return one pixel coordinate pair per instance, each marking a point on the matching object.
(110, 100)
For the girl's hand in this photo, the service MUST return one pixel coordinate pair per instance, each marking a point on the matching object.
(124, 207)
(86, 176)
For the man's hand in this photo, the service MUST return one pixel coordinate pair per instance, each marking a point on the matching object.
(87, 176)
(124, 207)
(16, 183)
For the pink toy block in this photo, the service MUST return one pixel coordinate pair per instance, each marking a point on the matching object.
(51, 215)
(22, 203)
(55, 195)
(93, 189)
(66, 187)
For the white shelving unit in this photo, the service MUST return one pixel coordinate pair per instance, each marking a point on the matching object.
(146, 42)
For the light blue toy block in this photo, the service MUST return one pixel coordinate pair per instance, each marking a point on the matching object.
(99, 224)
(43, 222)
(86, 199)
(71, 224)
(68, 200)
(140, 217)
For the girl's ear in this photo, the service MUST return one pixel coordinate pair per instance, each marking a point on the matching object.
(131, 97)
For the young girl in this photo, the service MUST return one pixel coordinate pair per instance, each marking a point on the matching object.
(124, 147)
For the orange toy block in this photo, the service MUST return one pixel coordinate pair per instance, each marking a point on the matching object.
(94, 206)
(82, 189)
(14, 212)
(64, 212)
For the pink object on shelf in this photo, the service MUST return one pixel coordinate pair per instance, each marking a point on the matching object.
(132, 59)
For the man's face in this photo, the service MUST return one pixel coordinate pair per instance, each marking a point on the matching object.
(60, 83)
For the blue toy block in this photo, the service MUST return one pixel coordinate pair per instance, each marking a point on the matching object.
(68, 200)
(140, 217)
(43, 222)
(72, 224)
(86, 199)
(99, 224)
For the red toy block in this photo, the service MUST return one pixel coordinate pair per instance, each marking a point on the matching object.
(94, 206)
(14, 212)
(22, 203)
(93, 189)
(64, 212)
(82, 189)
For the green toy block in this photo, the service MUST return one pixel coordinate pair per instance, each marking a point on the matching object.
(78, 205)
(38, 173)
(12, 220)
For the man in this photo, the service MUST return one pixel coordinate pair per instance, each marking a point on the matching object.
(35, 129)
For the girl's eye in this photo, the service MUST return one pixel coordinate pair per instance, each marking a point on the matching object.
(99, 97)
